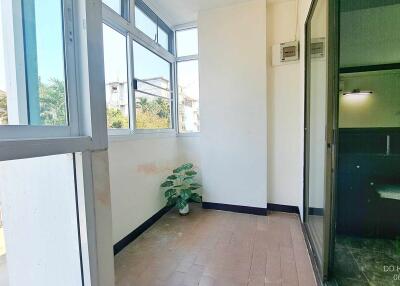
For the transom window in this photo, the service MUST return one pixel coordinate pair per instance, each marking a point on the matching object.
(150, 24)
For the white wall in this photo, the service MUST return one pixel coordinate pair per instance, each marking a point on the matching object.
(137, 167)
(40, 221)
(286, 105)
(231, 150)
(232, 51)
(381, 109)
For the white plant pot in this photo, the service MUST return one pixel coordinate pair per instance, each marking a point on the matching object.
(185, 210)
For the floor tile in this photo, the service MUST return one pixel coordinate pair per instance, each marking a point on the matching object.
(215, 248)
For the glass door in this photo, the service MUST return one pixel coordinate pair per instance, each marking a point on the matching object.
(321, 73)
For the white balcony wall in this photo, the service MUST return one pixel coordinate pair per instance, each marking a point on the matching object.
(233, 103)
(137, 168)
(40, 221)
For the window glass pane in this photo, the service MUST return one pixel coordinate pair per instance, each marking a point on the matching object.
(188, 95)
(149, 67)
(187, 42)
(163, 38)
(152, 112)
(153, 96)
(3, 87)
(116, 78)
(44, 59)
(114, 4)
(145, 24)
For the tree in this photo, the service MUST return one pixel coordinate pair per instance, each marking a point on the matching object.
(115, 119)
(52, 102)
(3, 108)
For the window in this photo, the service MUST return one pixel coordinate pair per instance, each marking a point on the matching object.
(188, 96)
(145, 24)
(152, 89)
(116, 78)
(140, 74)
(151, 25)
(37, 94)
(119, 6)
(187, 42)
(44, 57)
(188, 81)
(163, 38)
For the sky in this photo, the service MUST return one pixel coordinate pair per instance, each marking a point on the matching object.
(51, 54)
(49, 40)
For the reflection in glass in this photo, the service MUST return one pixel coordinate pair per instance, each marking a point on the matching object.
(187, 42)
(116, 78)
(44, 57)
(317, 108)
(188, 95)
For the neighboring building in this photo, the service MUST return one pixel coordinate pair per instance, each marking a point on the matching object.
(189, 115)
(149, 86)
(117, 96)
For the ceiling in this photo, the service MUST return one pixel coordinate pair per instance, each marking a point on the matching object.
(177, 12)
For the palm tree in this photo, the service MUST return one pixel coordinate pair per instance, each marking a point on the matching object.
(143, 103)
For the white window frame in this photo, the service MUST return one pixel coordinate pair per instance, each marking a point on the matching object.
(86, 135)
(188, 26)
(16, 68)
(128, 28)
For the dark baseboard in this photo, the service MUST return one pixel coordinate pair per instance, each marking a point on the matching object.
(235, 208)
(283, 208)
(316, 211)
(139, 230)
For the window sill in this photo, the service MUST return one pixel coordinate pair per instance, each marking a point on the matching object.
(142, 135)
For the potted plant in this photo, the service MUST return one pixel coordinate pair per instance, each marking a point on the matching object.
(180, 186)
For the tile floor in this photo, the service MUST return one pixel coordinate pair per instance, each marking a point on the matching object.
(215, 248)
(362, 262)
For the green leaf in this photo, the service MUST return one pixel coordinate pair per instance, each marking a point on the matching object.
(188, 179)
(169, 193)
(186, 166)
(172, 201)
(186, 194)
(177, 170)
(167, 184)
(181, 203)
(191, 173)
(172, 177)
(196, 198)
(196, 185)
(194, 188)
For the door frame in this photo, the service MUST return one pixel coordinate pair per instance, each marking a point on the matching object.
(332, 54)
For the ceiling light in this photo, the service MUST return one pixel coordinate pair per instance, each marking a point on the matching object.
(357, 92)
